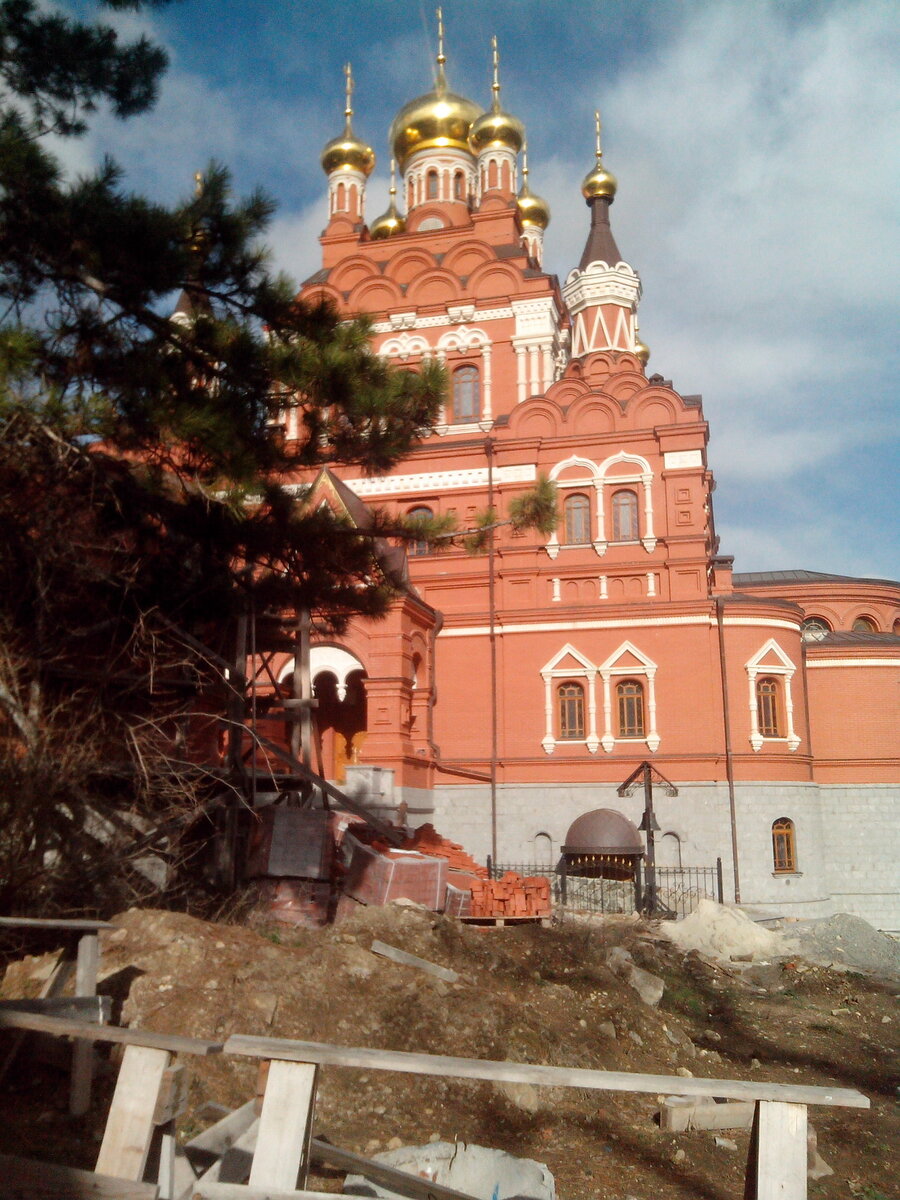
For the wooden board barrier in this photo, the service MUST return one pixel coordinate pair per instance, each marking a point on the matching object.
(446, 1066)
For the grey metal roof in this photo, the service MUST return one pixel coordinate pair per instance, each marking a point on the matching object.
(764, 578)
(853, 638)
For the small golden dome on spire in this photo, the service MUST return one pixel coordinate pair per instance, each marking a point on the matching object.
(641, 349)
(532, 209)
(347, 152)
(390, 222)
(437, 119)
(496, 127)
(599, 182)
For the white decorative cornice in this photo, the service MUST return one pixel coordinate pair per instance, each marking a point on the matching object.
(563, 626)
(432, 481)
(432, 322)
(600, 284)
(852, 662)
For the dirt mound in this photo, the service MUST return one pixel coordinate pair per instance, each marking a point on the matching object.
(524, 993)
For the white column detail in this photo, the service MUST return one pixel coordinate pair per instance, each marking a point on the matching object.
(648, 540)
(533, 370)
(652, 735)
(521, 381)
(607, 741)
(600, 542)
(557, 595)
(755, 736)
(487, 412)
(604, 589)
(549, 741)
(547, 357)
(651, 583)
(593, 742)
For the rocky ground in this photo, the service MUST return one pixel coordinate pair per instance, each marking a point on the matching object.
(525, 993)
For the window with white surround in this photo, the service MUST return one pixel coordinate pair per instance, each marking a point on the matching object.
(624, 704)
(622, 499)
(770, 675)
(577, 517)
(466, 395)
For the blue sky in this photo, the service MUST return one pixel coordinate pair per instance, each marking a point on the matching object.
(757, 155)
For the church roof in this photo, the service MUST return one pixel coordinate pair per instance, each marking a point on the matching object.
(857, 638)
(766, 578)
(601, 245)
(391, 559)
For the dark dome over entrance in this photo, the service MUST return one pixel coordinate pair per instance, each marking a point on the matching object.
(603, 831)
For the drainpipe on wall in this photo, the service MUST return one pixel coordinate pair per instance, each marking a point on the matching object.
(729, 760)
(489, 451)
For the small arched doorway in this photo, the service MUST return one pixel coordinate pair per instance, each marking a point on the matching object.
(339, 718)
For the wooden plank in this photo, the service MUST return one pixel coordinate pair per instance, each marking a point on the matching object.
(172, 1100)
(107, 1033)
(326, 1054)
(234, 1165)
(679, 1113)
(285, 1125)
(95, 1009)
(26, 1179)
(398, 1181)
(236, 1191)
(221, 1136)
(413, 960)
(83, 1052)
(129, 1126)
(780, 1151)
(70, 925)
(59, 977)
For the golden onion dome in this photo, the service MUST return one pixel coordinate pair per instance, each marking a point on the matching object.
(390, 222)
(348, 152)
(496, 127)
(641, 349)
(533, 210)
(599, 182)
(438, 119)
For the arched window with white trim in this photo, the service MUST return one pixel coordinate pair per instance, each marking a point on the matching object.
(577, 519)
(630, 709)
(770, 675)
(625, 516)
(466, 395)
(570, 707)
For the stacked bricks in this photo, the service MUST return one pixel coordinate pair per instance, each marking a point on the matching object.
(511, 896)
(428, 841)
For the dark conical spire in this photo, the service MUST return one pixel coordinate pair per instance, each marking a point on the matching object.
(601, 245)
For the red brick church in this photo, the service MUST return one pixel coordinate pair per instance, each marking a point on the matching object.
(508, 694)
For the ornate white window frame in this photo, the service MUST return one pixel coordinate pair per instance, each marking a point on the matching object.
(405, 345)
(644, 478)
(786, 670)
(584, 669)
(588, 671)
(465, 340)
(646, 670)
(597, 478)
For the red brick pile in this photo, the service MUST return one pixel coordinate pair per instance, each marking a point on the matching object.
(427, 840)
(511, 896)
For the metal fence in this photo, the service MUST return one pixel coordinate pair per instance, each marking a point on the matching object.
(678, 889)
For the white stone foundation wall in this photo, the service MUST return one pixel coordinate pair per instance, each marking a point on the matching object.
(847, 861)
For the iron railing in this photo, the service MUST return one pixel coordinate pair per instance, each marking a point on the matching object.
(678, 889)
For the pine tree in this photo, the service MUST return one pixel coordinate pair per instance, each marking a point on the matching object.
(142, 459)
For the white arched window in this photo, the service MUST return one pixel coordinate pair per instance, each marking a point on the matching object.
(770, 675)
